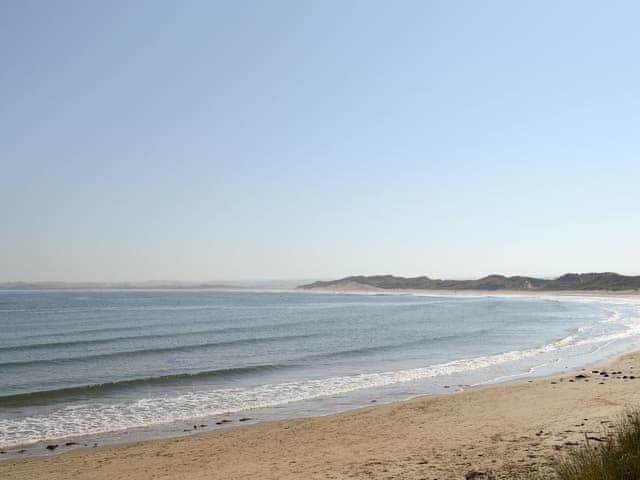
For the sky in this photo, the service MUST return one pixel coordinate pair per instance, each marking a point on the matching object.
(244, 140)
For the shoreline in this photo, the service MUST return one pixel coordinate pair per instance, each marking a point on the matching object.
(517, 425)
(183, 428)
(494, 293)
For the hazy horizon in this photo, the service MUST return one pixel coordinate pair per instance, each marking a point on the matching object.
(283, 140)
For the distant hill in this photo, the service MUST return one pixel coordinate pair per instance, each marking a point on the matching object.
(570, 281)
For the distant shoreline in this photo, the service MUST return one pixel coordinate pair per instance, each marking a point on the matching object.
(469, 292)
(138, 289)
(149, 289)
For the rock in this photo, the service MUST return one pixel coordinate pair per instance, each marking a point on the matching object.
(581, 376)
(69, 444)
(595, 371)
(245, 419)
(52, 446)
(473, 474)
(203, 425)
(24, 450)
(631, 377)
(2, 452)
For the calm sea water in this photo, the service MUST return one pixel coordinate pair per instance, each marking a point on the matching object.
(90, 363)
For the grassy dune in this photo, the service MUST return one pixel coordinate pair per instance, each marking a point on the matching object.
(615, 457)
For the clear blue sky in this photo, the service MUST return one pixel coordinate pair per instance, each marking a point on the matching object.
(286, 139)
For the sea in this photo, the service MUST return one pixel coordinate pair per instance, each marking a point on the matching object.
(96, 367)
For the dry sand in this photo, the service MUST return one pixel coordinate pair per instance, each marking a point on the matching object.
(499, 430)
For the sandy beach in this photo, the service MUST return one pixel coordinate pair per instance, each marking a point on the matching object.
(498, 431)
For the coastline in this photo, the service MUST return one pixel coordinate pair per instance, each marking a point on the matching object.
(368, 290)
(516, 426)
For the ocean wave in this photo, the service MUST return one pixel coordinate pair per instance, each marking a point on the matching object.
(425, 341)
(144, 335)
(154, 351)
(94, 418)
(45, 397)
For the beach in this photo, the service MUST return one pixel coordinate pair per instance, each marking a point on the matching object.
(333, 240)
(498, 430)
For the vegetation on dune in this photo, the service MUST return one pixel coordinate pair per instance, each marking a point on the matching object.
(569, 281)
(617, 457)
